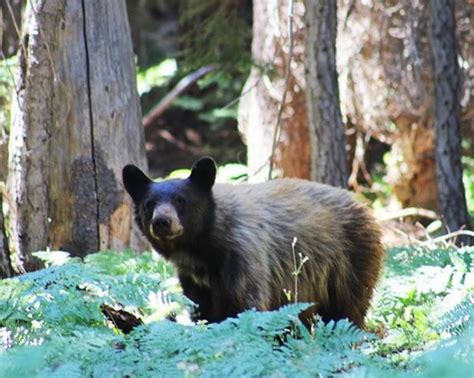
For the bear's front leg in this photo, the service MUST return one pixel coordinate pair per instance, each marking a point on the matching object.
(232, 295)
(200, 295)
(221, 298)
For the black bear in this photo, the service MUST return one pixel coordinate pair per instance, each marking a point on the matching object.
(232, 244)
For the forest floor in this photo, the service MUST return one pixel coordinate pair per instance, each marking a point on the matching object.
(420, 324)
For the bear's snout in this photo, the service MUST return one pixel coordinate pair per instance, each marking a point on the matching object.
(165, 223)
(161, 226)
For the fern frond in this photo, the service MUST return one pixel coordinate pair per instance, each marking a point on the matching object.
(459, 319)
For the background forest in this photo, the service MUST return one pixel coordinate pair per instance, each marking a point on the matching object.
(373, 96)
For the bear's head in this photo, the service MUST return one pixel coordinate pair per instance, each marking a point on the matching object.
(173, 213)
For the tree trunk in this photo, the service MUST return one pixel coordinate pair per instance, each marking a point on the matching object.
(447, 81)
(386, 86)
(75, 123)
(328, 148)
(6, 269)
(263, 92)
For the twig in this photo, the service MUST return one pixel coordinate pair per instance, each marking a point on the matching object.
(298, 268)
(293, 245)
(181, 87)
(408, 212)
(448, 236)
(406, 235)
(276, 135)
(425, 231)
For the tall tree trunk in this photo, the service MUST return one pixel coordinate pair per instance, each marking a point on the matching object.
(263, 92)
(6, 45)
(6, 269)
(447, 81)
(328, 148)
(75, 123)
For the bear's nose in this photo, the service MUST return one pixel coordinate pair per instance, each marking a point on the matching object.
(161, 225)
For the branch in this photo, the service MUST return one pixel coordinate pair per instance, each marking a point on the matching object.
(449, 236)
(408, 212)
(181, 87)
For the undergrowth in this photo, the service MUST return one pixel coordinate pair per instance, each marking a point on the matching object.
(51, 324)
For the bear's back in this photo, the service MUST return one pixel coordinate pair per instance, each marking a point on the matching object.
(285, 208)
(339, 237)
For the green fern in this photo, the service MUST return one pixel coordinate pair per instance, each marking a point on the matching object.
(458, 320)
(245, 346)
(451, 358)
(52, 320)
(58, 299)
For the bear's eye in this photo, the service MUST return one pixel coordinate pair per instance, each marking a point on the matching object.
(180, 203)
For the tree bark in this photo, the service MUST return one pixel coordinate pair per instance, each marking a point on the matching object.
(328, 147)
(386, 86)
(263, 92)
(447, 81)
(6, 269)
(75, 123)
(6, 43)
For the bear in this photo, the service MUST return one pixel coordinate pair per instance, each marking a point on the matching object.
(234, 245)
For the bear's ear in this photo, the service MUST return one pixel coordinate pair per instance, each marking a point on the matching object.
(203, 174)
(135, 181)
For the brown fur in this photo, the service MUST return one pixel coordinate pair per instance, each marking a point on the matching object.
(232, 244)
(258, 222)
